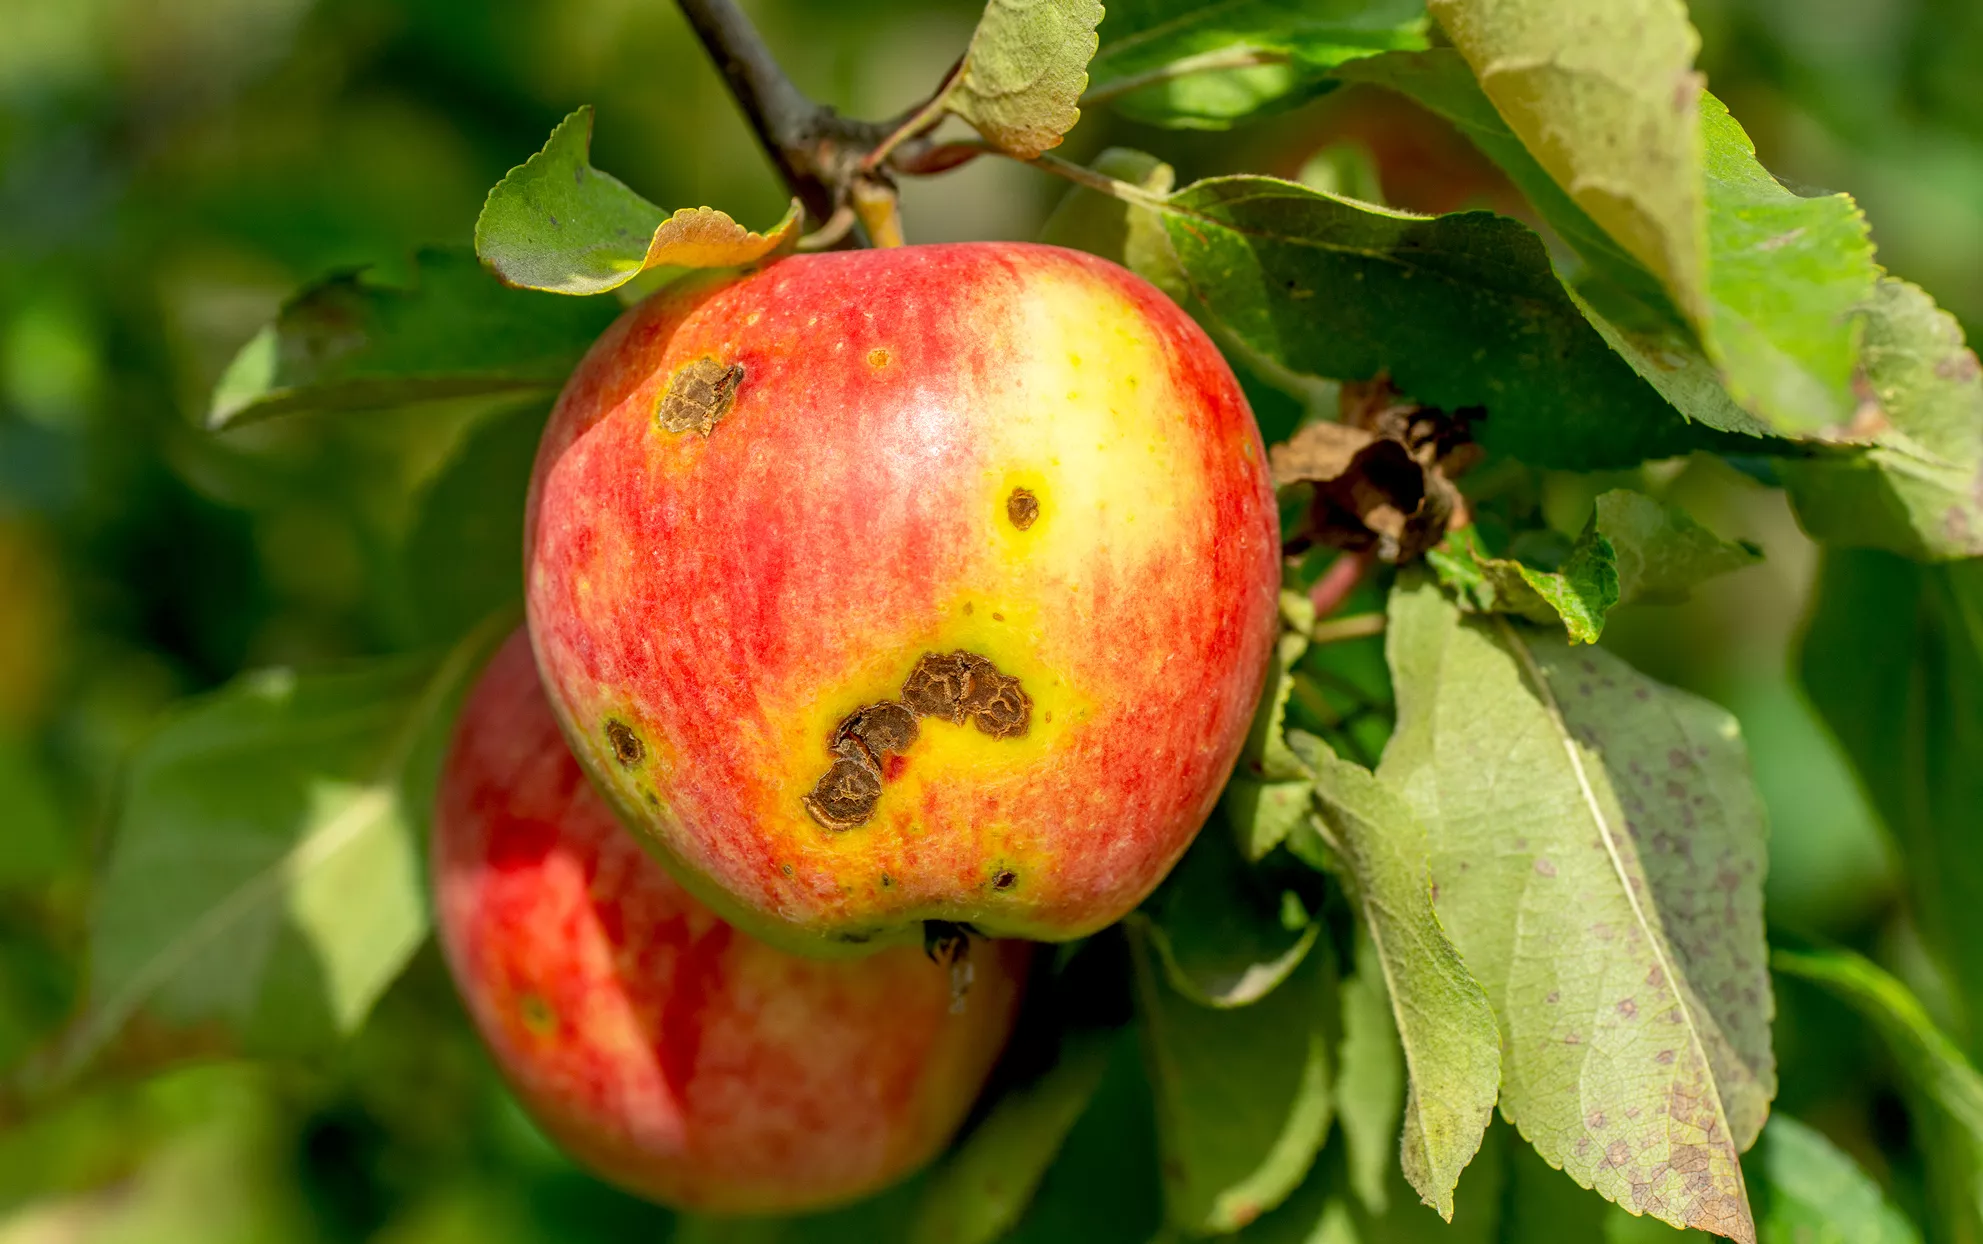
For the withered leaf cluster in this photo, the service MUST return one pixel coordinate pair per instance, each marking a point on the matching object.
(1382, 477)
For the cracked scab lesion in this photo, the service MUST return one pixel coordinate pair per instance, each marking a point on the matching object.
(846, 795)
(955, 687)
(698, 395)
(881, 728)
(963, 686)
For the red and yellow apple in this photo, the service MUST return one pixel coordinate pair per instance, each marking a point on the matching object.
(676, 1056)
(882, 587)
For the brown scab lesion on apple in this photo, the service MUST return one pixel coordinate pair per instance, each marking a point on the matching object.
(955, 687)
(626, 745)
(1022, 508)
(698, 395)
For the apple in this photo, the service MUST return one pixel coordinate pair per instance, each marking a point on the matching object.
(891, 586)
(673, 1054)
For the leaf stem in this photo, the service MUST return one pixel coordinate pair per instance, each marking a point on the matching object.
(1204, 62)
(1355, 626)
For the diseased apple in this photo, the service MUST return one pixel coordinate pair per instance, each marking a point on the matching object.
(882, 587)
(676, 1056)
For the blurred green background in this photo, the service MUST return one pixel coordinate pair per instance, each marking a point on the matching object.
(171, 169)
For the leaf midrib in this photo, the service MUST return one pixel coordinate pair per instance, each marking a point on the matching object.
(1608, 834)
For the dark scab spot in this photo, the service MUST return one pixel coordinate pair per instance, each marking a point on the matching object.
(536, 1013)
(999, 706)
(1022, 507)
(699, 395)
(883, 728)
(857, 938)
(786, 869)
(936, 687)
(998, 617)
(1004, 879)
(627, 747)
(846, 796)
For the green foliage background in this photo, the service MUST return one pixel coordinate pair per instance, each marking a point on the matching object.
(171, 170)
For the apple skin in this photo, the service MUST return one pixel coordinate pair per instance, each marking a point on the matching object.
(708, 608)
(671, 1053)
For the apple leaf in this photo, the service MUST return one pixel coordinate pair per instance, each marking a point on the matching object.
(1370, 1080)
(1936, 1071)
(1633, 550)
(1021, 79)
(1461, 311)
(1818, 1194)
(883, 1218)
(983, 1188)
(1268, 792)
(1893, 662)
(352, 341)
(1224, 933)
(459, 563)
(1598, 850)
(1190, 65)
(1605, 97)
(1243, 1096)
(1788, 277)
(1103, 1185)
(1918, 490)
(556, 223)
(1451, 1046)
(265, 873)
(1606, 102)
(1660, 552)
(1326, 1210)
(1578, 593)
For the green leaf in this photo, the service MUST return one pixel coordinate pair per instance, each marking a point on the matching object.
(1604, 97)
(1268, 793)
(1787, 279)
(1460, 310)
(1103, 1187)
(1578, 594)
(1893, 662)
(265, 873)
(1224, 934)
(1324, 1210)
(1370, 1083)
(460, 561)
(1633, 549)
(1918, 490)
(1022, 77)
(1787, 275)
(883, 1218)
(556, 223)
(1816, 1194)
(351, 342)
(983, 1188)
(1243, 1096)
(1936, 1071)
(1451, 1045)
(1193, 65)
(1659, 551)
(1598, 849)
